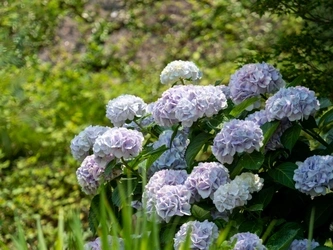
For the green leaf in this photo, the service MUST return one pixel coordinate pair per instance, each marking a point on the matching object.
(309, 123)
(109, 167)
(264, 197)
(251, 161)
(324, 209)
(296, 81)
(200, 213)
(326, 119)
(284, 174)
(282, 239)
(255, 227)
(94, 216)
(154, 155)
(290, 136)
(123, 191)
(324, 102)
(195, 146)
(268, 130)
(236, 111)
(256, 207)
(323, 248)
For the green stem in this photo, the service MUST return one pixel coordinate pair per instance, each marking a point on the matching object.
(236, 171)
(224, 233)
(317, 137)
(311, 224)
(269, 230)
(182, 81)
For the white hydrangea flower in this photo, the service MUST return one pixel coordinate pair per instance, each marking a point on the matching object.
(179, 69)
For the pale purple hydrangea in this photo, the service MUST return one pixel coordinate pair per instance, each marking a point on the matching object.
(237, 192)
(260, 118)
(90, 174)
(302, 244)
(246, 241)
(97, 243)
(179, 69)
(314, 176)
(205, 179)
(226, 90)
(186, 104)
(123, 108)
(172, 200)
(237, 136)
(294, 103)
(174, 156)
(202, 235)
(84, 141)
(254, 79)
(119, 142)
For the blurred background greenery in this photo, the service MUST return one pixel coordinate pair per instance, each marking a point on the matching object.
(62, 60)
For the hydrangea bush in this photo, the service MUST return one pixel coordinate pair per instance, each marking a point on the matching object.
(243, 166)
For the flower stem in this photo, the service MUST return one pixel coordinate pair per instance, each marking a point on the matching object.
(224, 233)
(311, 224)
(236, 171)
(269, 230)
(317, 137)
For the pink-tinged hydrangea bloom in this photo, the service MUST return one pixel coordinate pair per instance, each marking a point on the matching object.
(171, 201)
(186, 104)
(123, 108)
(179, 69)
(254, 79)
(260, 118)
(97, 243)
(237, 136)
(119, 142)
(247, 241)
(295, 103)
(174, 156)
(302, 244)
(237, 192)
(84, 141)
(90, 174)
(205, 179)
(314, 176)
(202, 235)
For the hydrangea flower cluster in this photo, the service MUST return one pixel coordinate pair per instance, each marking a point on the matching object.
(254, 79)
(302, 244)
(248, 241)
(314, 176)
(123, 108)
(179, 69)
(260, 118)
(237, 192)
(205, 179)
(237, 136)
(97, 243)
(82, 143)
(119, 142)
(294, 103)
(90, 174)
(174, 157)
(186, 104)
(202, 234)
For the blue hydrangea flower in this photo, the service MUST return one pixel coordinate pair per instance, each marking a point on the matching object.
(119, 142)
(84, 141)
(295, 103)
(205, 179)
(123, 108)
(202, 235)
(172, 200)
(90, 175)
(247, 241)
(179, 69)
(302, 244)
(174, 157)
(254, 79)
(260, 118)
(237, 192)
(237, 136)
(186, 104)
(315, 175)
(97, 243)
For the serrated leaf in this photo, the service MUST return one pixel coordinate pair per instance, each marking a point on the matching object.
(251, 161)
(326, 119)
(284, 174)
(282, 239)
(290, 136)
(194, 147)
(94, 216)
(296, 81)
(268, 130)
(237, 110)
(200, 213)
